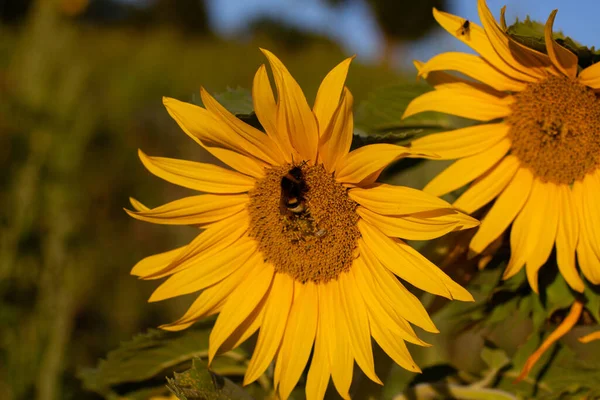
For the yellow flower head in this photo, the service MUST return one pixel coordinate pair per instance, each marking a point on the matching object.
(538, 155)
(298, 240)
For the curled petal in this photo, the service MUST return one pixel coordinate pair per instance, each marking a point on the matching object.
(563, 59)
(519, 57)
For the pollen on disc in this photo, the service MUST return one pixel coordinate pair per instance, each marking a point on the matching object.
(555, 129)
(316, 244)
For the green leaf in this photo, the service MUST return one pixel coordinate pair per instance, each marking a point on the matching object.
(198, 383)
(154, 355)
(380, 116)
(531, 34)
(237, 101)
(558, 295)
(494, 358)
(443, 391)
(592, 295)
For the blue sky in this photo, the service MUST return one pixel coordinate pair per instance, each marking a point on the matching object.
(354, 28)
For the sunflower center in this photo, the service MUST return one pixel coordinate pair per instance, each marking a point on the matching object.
(554, 128)
(304, 222)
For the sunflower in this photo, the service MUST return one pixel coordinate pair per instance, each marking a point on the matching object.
(537, 152)
(299, 242)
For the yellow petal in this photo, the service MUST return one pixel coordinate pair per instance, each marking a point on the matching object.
(204, 129)
(266, 111)
(461, 142)
(212, 299)
(197, 176)
(378, 304)
(155, 262)
(338, 345)
(138, 206)
(357, 319)
(488, 186)
(563, 59)
(209, 243)
(475, 67)
(240, 304)
(336, 140)
(261, 145)
(567, 237)
(519, 57)
(396, 200)
(328, 95)
(278, 367)
(504, 210)
(273, 326)
(545, 216)
(533, 232)
(211, 271)
(448, 80)
(319, 372)
(588, 257)
(299, 336)
(409, 265)
(590, 211)
(425, 226)
(295, 116)
(461, 101)
(394, 293)
(478, 41)
(467, 169)
(363, 165)
(246, 329)
(588, 260)
(194, 210)
(590, 76)
(393, 346)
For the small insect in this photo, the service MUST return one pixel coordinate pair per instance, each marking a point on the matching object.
(293, 188)
(465, 29)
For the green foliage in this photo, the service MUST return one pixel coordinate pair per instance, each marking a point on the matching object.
(237, 101)
(142, 363)
(531, 34)
(198, 383)
(505, 325)
(379, 118)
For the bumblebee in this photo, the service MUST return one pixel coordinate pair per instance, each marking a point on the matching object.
(293, 188)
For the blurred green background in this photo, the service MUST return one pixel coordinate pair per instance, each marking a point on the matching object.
(81, 83)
